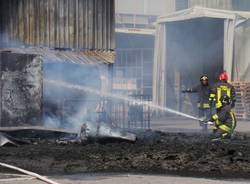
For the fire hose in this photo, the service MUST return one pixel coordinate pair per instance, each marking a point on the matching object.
(42, 178)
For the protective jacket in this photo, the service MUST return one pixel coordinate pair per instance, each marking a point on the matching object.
(224, 120)
(203, 95)
(218, 90)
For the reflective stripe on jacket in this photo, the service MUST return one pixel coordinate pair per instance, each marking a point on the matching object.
(225, 119)
(203, 106)
(219, 89)
(203, 95)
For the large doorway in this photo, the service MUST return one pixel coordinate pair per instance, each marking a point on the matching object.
(194, 47)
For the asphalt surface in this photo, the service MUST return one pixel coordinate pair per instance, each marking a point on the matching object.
(141, 179)
(186, 125)
(124, 179)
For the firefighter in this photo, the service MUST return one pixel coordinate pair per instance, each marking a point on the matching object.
(203, 103)
(224, 119)
(222, 88)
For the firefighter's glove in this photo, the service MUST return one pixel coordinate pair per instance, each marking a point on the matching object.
(212, 99)
(206, 122)
(209, 123)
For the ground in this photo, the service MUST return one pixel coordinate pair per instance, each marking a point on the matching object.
(108, 178)
(188, 153)
(140, 179)
(177, 124)
(154, 152)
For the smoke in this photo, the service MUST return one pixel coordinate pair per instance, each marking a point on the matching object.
(115, 96)
(66, 108)
(82, 91)
(194, 48)
(51, 121)
(7, 42)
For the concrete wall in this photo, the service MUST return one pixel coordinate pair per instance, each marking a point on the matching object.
(21, 89)
(144, 7)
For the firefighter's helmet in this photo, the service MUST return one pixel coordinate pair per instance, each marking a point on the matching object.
(223, 76)
(225, 100)
(204, 78)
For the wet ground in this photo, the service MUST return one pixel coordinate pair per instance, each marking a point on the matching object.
(185, 154)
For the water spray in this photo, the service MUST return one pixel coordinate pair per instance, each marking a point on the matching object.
(115, 96)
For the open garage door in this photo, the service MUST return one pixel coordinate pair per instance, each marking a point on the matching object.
(198, 41)
(194, 47)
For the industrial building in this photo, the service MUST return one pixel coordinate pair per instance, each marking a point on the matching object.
(124, 91)
(68, 39)
(199, 41)
(135, 31)
(132, 23)
(134, 61)
(237, 5)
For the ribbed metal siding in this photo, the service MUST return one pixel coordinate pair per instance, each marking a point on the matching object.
(81, 24)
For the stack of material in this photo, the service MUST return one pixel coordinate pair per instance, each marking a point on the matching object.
(242, 106)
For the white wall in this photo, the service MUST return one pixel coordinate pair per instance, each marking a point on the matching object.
(147, 7)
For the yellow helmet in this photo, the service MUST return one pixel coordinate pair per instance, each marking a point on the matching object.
(204, 78)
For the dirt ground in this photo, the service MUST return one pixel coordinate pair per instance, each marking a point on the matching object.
(186, 154)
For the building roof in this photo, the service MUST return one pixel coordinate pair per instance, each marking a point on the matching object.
(68, 56)
(200, 12)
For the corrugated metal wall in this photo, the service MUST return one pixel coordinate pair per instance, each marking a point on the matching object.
(81, 24)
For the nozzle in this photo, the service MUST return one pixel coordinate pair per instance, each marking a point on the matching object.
(203, 119)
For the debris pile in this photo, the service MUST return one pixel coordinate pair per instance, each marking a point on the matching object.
(153, 152)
